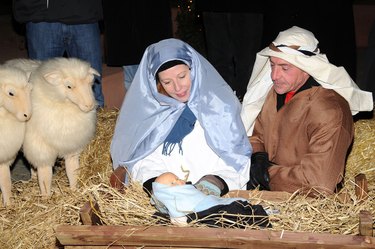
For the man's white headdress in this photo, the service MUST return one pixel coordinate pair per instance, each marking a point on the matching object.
(300, 48)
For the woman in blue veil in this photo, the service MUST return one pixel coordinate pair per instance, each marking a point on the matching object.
(180, 116)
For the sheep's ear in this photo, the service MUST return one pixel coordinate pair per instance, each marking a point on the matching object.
(53, 78)
(2, 88)
(29, 86)
(3, 91)
(28, 74)
(93, 71)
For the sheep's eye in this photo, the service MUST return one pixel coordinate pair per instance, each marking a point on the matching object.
(69, 84)
(11, 94)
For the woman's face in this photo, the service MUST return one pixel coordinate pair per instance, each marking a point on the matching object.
(176, 82)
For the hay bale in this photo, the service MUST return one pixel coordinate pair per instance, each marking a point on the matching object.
(29, 223)
(362, 156)
(95, 160)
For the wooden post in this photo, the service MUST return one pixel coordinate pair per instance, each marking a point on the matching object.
(365, 223)
(89, 214)
(361, 188)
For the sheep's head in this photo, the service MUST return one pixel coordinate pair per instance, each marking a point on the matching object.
(74, 78)
(15, 94)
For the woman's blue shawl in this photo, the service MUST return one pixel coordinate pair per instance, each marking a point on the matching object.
(146, 116)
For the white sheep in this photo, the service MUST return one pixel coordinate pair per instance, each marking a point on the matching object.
(63, 120)
(26, 65)
(15, 110)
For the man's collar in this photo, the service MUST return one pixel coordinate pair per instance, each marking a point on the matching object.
(308, 84)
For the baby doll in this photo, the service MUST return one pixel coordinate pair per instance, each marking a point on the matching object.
(184, 203)
(170, 179)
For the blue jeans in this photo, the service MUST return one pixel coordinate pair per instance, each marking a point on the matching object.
(48, 40)
(129, 72)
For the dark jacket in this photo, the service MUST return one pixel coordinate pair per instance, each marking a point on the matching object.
(336, 33)
(232, 6)
(65, 11)
(131, 26)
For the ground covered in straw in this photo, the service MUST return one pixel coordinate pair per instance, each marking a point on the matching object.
(30, 221)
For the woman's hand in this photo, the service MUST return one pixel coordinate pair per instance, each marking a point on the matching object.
(117, 178)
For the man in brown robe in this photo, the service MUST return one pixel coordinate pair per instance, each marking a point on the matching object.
(302, 134)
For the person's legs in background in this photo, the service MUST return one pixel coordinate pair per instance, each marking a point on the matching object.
(49, 40)
(219, 45)
(85, 45)
(246, 44)
(231, 48)
(368, 78)
(129, 72)
(44, 40)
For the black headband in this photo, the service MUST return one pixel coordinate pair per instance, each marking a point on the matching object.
(305, 52)
(166, 66)
(169, 64)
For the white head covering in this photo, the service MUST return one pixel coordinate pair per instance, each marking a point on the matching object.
(300, 48)
(147, 117)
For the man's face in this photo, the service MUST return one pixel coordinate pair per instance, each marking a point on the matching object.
(285, 76)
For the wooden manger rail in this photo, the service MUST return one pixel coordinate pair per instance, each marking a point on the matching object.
(187, 237)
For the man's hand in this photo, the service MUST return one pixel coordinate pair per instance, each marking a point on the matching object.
(259, 175)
